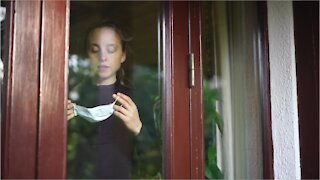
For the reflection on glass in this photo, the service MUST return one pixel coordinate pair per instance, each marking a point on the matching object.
(212, 97)
(2, 18)
(114, 48)
(232, 103)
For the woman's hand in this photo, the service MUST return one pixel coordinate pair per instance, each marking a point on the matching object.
(70, 110)
(128, 113)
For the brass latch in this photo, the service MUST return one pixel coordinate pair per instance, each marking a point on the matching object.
(191, 70)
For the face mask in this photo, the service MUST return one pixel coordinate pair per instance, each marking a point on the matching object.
(95, 114)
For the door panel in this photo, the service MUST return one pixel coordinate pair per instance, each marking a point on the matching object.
(196, 95)
(36, 90)
(21, 89)
(184, 134)
(88, 143)
(53, 85)
(306, 31)
(180, 126)
(236, 90)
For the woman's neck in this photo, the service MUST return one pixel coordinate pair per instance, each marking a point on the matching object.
(106, 81)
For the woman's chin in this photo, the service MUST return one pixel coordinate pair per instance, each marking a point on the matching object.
(104, 76)
(107, 79)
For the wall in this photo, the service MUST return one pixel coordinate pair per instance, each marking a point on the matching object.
(285, 132)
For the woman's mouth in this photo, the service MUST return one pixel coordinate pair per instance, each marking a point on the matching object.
(103, 67)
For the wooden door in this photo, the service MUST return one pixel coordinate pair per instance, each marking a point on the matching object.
(184, 121)
(306, 31)
(35, 90)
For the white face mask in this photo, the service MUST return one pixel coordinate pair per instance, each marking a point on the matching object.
(95, 114)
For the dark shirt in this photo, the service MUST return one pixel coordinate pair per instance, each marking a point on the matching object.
(114, 143)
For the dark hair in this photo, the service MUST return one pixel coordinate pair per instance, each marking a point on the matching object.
(125, 39)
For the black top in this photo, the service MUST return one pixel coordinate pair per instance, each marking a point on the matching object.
(114, 143)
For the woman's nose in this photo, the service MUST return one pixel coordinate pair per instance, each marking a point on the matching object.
(103, 56)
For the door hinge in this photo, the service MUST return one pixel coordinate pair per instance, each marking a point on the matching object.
(191, 70)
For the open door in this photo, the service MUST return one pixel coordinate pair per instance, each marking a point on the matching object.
(37, 58)
(46, 63)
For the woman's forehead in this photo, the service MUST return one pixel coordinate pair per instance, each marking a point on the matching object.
(104, 35)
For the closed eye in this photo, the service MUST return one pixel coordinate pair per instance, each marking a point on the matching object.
(94, 48)
(111, 48)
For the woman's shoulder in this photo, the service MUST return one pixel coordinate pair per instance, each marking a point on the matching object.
(125, 89)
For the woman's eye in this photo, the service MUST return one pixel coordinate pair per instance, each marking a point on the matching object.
(111, 49)
(94, 49)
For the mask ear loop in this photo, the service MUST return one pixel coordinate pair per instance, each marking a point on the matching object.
(115, 101)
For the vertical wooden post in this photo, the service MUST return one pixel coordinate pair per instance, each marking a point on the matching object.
(184, 122)
(21, 90)
(35, 89)
(306, 35)
(196, 96)
(52, 147)
(176, 88)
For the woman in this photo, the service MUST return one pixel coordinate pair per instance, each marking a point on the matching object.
(107, 50)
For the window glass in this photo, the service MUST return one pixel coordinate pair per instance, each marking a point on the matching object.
(232, 103)
(2, 18)
(115, 47)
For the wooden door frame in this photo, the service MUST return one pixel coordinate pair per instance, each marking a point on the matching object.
(268, 171)
(35, 89)
(54, 58)
(306, 35)
(20, 89)
(178, 163)
(35, 94)
(35, 117)
(184, 140)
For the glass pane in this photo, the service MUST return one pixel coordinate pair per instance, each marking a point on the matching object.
(211, 96)
(2, 18)
(232, 103)
(115, 47)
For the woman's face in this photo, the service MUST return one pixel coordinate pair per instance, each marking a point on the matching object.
(106, 54)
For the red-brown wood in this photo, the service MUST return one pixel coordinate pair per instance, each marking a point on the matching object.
(5, 99)
(21, 93)
(53, 88)
(176, 87)
(196, 97)
(46, 158)
(306, 32)
(167, 89)
(268, 172)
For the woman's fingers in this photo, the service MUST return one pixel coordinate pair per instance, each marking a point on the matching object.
(126, 98)
(121, 116)
(121, 109)
(125, 101)
(122, 101)
(70, 116)
(127, 112)
(70, 110)
(70, 105)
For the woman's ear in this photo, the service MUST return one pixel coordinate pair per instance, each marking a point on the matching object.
(123, 58)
